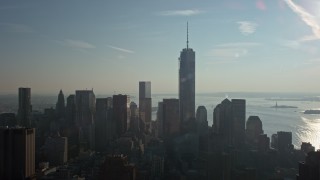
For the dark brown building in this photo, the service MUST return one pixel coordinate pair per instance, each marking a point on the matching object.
(104, 126)
(85, 116)
(120, 113)
(17, 153)
(253, 129)
(25, 108)
(229, 121)
(171, 118)
(145, 104)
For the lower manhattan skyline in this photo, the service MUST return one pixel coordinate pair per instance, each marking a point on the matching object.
(163, 90)
(241, 46)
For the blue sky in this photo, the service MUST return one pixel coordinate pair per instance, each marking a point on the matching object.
(241, 45)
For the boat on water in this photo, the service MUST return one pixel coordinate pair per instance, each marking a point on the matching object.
(283, 106)
(312, 111)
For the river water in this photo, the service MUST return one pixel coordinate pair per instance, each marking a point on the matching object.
(304, 127)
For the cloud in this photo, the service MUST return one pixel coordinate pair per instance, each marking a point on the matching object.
(247, 27)
(187, 12)
(76, 44)
(298, 45)
(307, 18)
(121, 49)
(309, 38)
(17, 28)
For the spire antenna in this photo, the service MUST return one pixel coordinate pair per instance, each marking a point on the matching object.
(187, 35)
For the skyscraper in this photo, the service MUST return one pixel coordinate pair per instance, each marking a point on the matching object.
(120, 113)
(253, 129)
(202, 114)
(309, 169)
(86, 107)
(229, 121)
(284, 141)
(202, 121)
(85, 116)
(171, 119)
(134, 118)
(222, 119)
(60, 106)
(25, 107)
(105, 126)
(160, 119)
(145, 104)
(17, 153)
(73, 129)
(187, 83)
(71, 109)
(239, 120)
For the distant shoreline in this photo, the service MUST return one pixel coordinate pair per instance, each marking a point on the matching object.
(294, 99)
(283, 107)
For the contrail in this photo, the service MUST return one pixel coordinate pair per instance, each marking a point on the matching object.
(307, 18)
(120, 49)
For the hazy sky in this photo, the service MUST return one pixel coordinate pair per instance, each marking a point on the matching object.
(240, 45)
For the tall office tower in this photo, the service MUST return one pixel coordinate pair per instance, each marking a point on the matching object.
(145, 103)
(120, 113)
(309, 169)
(105, 126)
(60, 106)
(17, 153)
(160, 119)
(72, 130)
(222, 119)
(307, 147)
(85, 116)
(187, 83)
(134, 118)
(71, 109)
(25, 108)
(229, 121)
(171, 118)
(201, 114)
(284, 141)
(253, 129)
(86, 107)
(239, 121)
(202, 129)
(202, 121)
